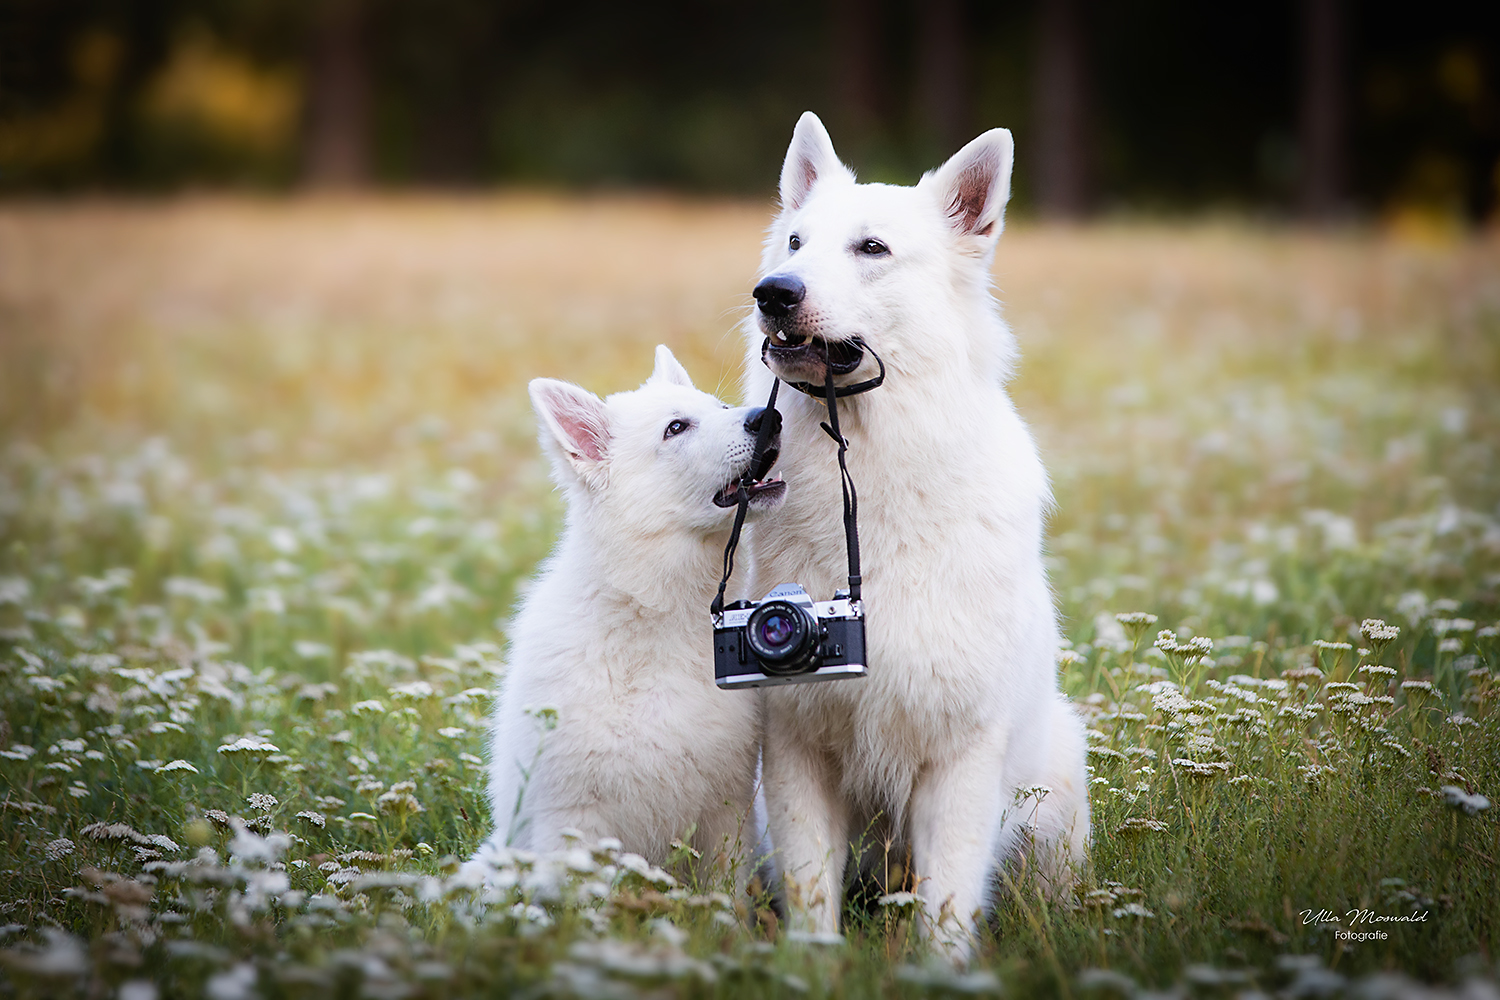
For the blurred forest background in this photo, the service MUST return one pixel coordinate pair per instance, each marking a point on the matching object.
(1320, 108)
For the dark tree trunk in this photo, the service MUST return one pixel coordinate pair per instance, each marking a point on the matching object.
(943, 67)
(336, 146)
(1323, 108)
(1062, 150)
(856, 65)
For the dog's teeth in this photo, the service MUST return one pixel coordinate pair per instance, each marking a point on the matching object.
(780, 336)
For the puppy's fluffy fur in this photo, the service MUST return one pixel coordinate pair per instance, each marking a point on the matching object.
(614, 634)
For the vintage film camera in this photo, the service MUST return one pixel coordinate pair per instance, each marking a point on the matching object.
(787, 638)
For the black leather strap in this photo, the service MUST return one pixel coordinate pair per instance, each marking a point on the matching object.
(830, 394)
(762, 439)
(851, 500)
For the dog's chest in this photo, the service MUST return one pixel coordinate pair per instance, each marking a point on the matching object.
(654, 714)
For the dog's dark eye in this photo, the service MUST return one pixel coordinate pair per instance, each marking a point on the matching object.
(676, 427)
(874, 248)
(794, 243)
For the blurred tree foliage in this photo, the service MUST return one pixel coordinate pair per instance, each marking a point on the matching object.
(1187, 104)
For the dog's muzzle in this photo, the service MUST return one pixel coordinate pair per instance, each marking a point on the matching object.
(806, 358)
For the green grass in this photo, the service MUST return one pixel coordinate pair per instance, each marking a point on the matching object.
(268, 473)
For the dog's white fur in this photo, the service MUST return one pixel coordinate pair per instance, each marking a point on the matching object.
(614, 634)
(961, 708)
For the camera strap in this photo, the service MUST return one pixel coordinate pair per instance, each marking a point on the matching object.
(846, 484)
(762, 439)
(830, 394)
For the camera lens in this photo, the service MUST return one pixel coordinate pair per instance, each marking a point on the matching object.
(776, 629)
(783, 638)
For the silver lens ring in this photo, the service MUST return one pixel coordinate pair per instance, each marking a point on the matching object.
(783, 637)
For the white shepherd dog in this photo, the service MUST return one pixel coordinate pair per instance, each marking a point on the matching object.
(615, 637)
(945, 743)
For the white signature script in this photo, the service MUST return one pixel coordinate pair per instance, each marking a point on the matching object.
(1356, 917)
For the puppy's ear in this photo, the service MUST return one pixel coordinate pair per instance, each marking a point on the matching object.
(575, 428)
(974, 185)
(668, 369)
(809, 159)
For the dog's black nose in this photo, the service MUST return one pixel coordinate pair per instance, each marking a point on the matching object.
(752, 422)
(779, 294)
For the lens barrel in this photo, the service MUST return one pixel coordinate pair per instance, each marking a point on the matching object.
(784, 637)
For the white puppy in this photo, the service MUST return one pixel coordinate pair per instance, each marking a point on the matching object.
(614, 635)
(961, 712)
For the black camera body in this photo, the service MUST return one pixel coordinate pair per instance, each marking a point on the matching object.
(787, 638)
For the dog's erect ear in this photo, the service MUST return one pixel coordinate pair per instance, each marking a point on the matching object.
(668, 369)
(809, 159)
(578, 423)
(974, 185)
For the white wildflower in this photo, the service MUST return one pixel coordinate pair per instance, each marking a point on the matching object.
(252, 848)
(59, 848)
(1203, 769)
(267, 601)
(1460, 799)
(1140, 824)
(190, 589)
(399, 800)
(414, 690)
(238, 983)
(63, 956)
(137, 989)
(899, 900)
(248, 745)
(177, 765)
(1413, 606)
(14, 590)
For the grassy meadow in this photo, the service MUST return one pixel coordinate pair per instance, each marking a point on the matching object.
(269, 486)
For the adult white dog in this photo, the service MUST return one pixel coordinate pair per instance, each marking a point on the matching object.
(614, 635)
(961, 713)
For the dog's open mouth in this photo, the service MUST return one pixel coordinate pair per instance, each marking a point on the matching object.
(757, 483)
(795, 352)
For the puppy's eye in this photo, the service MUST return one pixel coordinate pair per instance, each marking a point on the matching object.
(794, 243)
(676, 427)
(873, 248)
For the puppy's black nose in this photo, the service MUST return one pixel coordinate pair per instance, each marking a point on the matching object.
(753, 421)
(779, 294)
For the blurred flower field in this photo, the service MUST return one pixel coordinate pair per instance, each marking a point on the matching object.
(269, 486)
